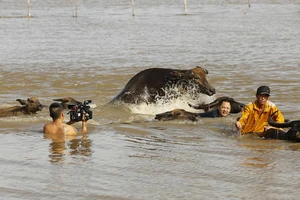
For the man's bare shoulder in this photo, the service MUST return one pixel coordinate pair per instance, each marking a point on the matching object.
(69, 130)
(49, 128)
(62, 128)
(45, 127)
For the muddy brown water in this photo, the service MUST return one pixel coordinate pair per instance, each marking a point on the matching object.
(127, 154)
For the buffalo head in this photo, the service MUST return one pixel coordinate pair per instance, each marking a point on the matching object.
(177, 114)
(197, 77)
(67, 101)
(293, 134)
(236, 107)
(31, 105)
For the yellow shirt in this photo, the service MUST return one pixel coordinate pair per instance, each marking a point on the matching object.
(252, 122)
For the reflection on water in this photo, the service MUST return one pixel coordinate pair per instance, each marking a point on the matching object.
(263, 151)
(257, 162)
(62, 146)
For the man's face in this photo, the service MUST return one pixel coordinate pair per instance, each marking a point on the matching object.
(262, 99)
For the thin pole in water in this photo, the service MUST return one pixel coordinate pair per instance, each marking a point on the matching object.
(249, 3)
(74, 11)
(185, 7)
(28, 6)
(132, 7)
(76, 8)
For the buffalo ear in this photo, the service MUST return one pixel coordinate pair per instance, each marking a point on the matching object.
(22, 102)
(62, 100)
(65, 100)
(205, 70)
(58, 100)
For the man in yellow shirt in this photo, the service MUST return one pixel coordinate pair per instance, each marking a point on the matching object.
(255, 116)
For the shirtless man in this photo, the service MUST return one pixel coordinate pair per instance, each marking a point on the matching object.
(57, 126)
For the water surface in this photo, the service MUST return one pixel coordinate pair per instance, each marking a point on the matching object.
(127, 154)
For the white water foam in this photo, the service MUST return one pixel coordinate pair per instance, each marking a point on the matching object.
(174, 99)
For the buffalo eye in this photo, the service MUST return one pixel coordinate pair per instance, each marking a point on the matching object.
(177, 113)
(30, 101)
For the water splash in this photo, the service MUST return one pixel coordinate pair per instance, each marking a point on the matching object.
(173, 99)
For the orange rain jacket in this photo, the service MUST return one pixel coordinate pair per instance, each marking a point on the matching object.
(253, 123)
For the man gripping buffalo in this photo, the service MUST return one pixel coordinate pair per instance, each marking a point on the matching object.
(255, 116)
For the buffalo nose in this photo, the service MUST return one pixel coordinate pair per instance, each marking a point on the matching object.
(242, 105)
(213, 90)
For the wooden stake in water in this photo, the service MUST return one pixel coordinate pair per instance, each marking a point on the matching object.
(132, 7)
(28, 6)
(185, 7)
(74, 11)
(249, 3)
(76, 8)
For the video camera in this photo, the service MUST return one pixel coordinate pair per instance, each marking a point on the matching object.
(80, 109)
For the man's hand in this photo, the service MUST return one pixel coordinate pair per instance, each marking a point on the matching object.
(83, 119)
(271, 127)
(238, 125)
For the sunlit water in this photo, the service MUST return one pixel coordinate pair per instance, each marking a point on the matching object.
(127, 154)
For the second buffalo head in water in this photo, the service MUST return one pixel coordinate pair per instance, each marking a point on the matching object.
(151, 84)
(236, 106)
(221, 107)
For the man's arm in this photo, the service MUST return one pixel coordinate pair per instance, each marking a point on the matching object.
(84, 127)
(242, 120)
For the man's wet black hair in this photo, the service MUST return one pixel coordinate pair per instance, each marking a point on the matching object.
(55, 110)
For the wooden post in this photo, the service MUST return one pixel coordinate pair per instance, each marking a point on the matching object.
(76, 8)
(132, 7)
(185, 7)
(28, 6)
(249, 3)
(74, 11)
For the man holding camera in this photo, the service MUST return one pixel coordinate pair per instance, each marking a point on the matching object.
(57, 126)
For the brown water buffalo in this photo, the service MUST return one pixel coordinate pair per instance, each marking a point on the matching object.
(151, 84)
(67, 101)
(177, 114)
(293, 134)
(236, 107)
(29, 106)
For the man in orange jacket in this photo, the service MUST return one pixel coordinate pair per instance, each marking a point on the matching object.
(255, 116)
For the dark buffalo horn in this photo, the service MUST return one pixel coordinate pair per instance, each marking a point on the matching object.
(276, 124)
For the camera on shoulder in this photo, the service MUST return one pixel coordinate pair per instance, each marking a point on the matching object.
(81, 109)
